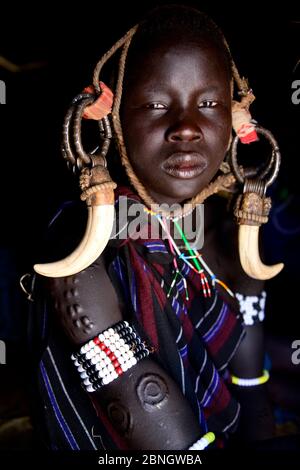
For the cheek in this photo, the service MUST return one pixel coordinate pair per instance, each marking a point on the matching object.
(219, 134)
(142, 144)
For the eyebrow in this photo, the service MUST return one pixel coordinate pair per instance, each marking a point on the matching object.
(162, 89)
(211, 88)
(164, 93)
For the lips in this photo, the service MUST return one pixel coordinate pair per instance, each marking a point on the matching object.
(185, 165)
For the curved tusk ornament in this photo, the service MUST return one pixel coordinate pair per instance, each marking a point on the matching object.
(95, 182)
(92, 245)
(253, 207)
(97, 234)
(249, 254)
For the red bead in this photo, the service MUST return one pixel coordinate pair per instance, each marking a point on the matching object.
(115, 363)
(119, 371)
(97, 341)
(107, 351)
(112, 357)
(102, 346)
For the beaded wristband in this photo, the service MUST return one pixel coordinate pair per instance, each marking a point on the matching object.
(203, 442)
(251, 382)
(107, 356)
(252, 307)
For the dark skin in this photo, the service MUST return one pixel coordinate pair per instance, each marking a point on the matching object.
(178, 101)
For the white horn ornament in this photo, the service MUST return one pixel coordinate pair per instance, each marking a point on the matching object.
(249, 254)
(97, 234)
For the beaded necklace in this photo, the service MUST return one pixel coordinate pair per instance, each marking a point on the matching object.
(194, 260)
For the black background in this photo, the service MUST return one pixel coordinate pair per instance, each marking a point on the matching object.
(68, 40)
(264, 43)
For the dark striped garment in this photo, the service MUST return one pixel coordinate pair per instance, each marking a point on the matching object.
(194, 341)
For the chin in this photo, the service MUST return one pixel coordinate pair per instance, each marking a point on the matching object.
(190, 189)
(176, 191)
(177, 198)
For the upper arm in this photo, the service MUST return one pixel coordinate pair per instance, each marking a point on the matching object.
(85, 303)
(248, 360)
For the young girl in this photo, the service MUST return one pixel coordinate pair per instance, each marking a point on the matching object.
(161, 351)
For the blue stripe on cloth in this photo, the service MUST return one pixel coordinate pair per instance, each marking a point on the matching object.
(183, 351)
(185, 270)
(207, 397)
(176, 305)
(119, 271)
(202, 420)
(180, 285)
(155, 247)
(118, 268)
(61, 421)
(216, 326)
(133, 292)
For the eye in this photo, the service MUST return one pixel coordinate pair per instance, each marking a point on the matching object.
(208, 104)
(156, 106)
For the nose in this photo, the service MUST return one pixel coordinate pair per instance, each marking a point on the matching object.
(186, 130)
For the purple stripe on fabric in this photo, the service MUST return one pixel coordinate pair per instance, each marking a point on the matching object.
(183, 351)
(156, 245)
(133, 292)
(176, 305)
(214, 329)
(210, 392)
(118, 269)
(185, 270)
(117, 264)
(61, 421)
(202, 420)
(180, 287)
(157, 249)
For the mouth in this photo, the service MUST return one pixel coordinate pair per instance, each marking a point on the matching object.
(185, 165)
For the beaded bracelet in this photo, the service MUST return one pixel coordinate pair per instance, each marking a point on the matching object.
(252, 307)
(107, 356)
(203, 442)
(251, 382)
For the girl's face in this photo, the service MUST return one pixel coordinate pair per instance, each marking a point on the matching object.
(176, 118)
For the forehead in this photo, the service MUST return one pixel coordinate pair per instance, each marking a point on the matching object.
(174, 63)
